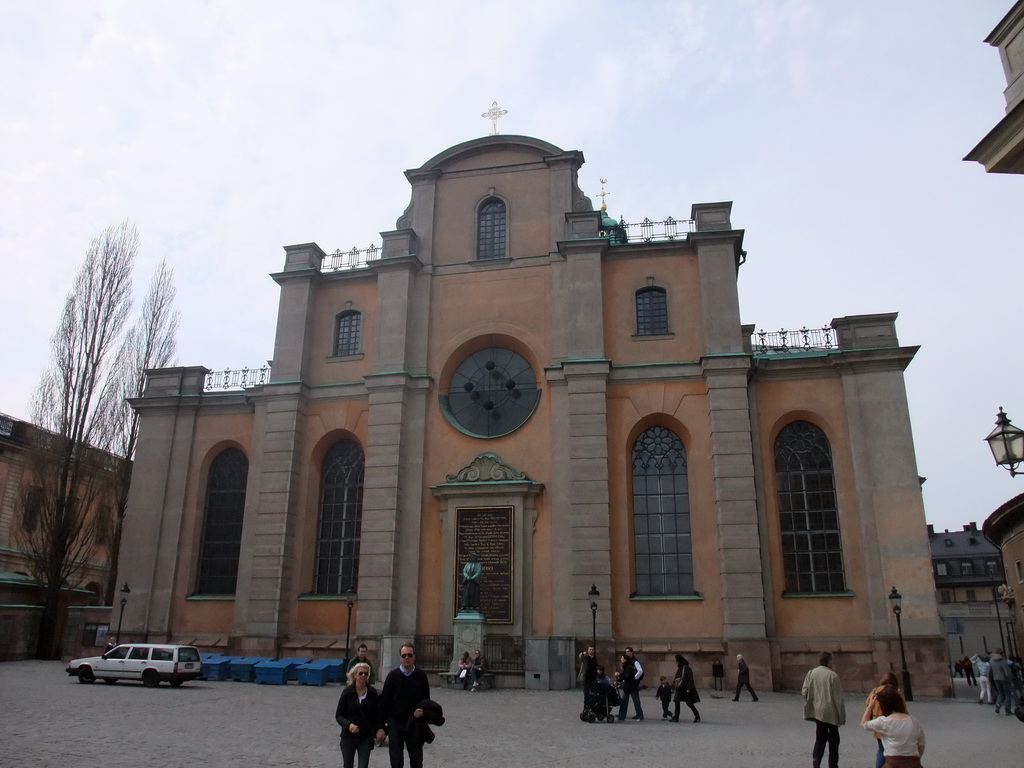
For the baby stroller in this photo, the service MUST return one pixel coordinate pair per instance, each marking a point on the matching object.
(599, 702)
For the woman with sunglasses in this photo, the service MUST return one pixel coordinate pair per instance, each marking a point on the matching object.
(360, 716)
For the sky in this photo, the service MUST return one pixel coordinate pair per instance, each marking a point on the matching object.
(227, 130)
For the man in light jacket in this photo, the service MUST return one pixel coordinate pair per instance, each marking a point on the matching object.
(823, 703)
(1002, 680)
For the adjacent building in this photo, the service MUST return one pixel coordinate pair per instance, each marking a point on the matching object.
(968, 572)
(1005, 528)
(575, 399)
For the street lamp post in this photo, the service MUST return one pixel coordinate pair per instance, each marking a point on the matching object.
(1006, 593)
(895, 598)
(999, 619)
(124, 601)
(350, 601)
(593, 594)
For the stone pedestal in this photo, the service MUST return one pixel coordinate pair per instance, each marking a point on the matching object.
(467, 635)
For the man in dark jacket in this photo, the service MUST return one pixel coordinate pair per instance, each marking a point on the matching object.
(742, 678)
(405, 688)
(1002, 680)
(630, 676)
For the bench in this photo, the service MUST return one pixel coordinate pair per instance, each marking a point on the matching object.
(453, 680)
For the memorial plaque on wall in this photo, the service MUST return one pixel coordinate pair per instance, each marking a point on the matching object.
(487, 531)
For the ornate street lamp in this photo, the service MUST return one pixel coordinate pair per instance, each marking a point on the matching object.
(1007, 444)
(350, 600)
(593, 594)
(895, 598)
(124, 601)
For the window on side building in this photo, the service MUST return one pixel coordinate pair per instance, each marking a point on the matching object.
(340, 523)
(663, 554)
(346, 333)
(812, 551)
(651, 311)
(222, 523)
(491, 229)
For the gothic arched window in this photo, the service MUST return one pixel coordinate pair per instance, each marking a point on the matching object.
(341, 514)
(346, 333)
(663, 552)
(491, 226)
(222, 523)
(812, 551)
(651, 312)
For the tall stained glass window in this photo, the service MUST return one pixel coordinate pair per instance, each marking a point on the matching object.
(341, 514)
(222, 523)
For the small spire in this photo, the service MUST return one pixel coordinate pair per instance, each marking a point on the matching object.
(603, 194)
(494, 114)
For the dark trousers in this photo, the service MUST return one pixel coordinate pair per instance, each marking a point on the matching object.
(396, 744)
(739, 687)
(696, 714)
(624, 707)
(971, 679)
(349, 749)
(824, 733)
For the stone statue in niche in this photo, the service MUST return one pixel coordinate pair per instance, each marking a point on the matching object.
(471, 584)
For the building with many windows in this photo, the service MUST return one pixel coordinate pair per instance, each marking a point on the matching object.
(968, 570)
(573, 398)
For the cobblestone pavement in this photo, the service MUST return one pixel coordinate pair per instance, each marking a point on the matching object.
(49, 719)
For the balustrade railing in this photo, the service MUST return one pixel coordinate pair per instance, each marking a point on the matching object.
(350, 259)
(434, 652)
(505, 653)
(784, 342)
(648, 231)
(219, 381)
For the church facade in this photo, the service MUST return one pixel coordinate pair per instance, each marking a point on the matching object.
(575, 400)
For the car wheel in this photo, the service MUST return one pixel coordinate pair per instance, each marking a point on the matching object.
(151, 678)
(176, 683)
(109, 680)
(85, 675)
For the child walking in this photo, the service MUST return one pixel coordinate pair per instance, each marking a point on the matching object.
(664, 695)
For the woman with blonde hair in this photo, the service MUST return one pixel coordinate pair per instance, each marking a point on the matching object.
(359, 715)
(902, 735)
(888, 679)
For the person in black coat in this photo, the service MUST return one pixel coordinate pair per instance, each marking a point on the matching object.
(360, 716)
(743, 678)
(405, 688)
(686, 690)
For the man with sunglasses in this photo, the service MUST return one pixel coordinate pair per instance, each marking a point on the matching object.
(405, 688)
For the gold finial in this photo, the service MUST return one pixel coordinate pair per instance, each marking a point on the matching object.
(603, 194)
(494, 114)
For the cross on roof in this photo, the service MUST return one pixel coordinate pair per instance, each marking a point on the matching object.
(494, 114)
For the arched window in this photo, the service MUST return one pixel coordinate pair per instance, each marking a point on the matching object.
(661, 515)
(341, 514)
(222, 523)
(651, 312)
(812, 551)
(346, 333)
(490, 229)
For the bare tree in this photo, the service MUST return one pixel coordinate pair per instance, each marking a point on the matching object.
(150, 343)
(67, 463)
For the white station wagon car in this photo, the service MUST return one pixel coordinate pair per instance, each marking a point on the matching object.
(148, 662)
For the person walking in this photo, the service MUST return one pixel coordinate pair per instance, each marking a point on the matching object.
(629, 677)
(902, 735)
(405, 688)
(1002, 680)
(968, 668)
(984, 684)
(888, 680)
(588, 671)
(823, 703)
(686, 690)
(361, 658)
(742, 678)
(359, 715)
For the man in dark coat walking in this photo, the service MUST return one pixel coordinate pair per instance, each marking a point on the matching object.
(405, 688)
(743, 678)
